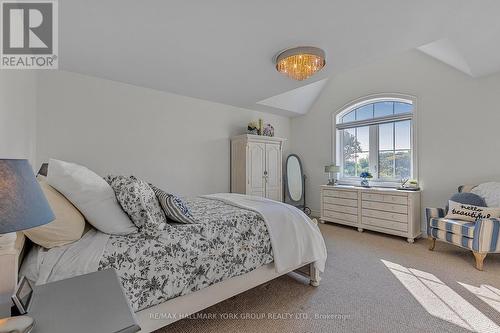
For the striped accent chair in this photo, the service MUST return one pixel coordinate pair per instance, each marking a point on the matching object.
(481, 237)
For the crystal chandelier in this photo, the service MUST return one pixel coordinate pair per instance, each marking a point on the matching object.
(300, 63)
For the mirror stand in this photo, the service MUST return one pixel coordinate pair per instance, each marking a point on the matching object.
(295, 184)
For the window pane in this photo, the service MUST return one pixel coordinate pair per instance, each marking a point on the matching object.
(349, 166)
(385, 136)
(403, 129)
(351, 116)
(364, 112)
(403, 164)
(351, 145)
(383, 109)
(386, 164)
(402, 108)
(363, 163)
(363, 137)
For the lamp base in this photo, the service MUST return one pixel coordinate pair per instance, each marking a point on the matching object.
(20, 324)
(332, 182)
(8, 240)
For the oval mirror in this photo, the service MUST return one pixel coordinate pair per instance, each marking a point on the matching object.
(294, 178)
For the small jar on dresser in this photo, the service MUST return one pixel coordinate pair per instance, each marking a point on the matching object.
(384, 210)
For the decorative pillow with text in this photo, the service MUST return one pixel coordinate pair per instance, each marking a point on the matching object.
(472, 213)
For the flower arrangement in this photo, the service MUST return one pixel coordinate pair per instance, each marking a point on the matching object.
(268, 130)
(258, 128)
(253, 128)
(365, 176)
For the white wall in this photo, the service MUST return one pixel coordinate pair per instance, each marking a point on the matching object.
(17, 114)
(458, 123)
(179, 143)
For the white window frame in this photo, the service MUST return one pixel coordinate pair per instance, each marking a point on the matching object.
(337, 147)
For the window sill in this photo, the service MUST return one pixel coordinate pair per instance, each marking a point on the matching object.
(373, 183)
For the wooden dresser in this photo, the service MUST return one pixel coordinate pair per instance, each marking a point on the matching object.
(380, 209)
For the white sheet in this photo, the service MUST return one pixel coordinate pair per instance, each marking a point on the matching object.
(81, 257)
(295, 240)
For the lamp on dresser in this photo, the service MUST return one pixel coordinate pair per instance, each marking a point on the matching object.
(332, 169)
(22, 206)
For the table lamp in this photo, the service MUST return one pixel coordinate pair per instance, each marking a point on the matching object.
(331, 169)
(22, 202)
(22, 206)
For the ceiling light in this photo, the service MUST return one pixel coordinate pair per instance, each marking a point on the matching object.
(300, 63)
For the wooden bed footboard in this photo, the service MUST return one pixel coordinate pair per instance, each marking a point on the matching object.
(182, 307)
(153, 318)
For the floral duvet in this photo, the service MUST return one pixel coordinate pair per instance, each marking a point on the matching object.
(155, 266)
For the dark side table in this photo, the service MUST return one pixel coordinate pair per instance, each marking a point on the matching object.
(88, 303)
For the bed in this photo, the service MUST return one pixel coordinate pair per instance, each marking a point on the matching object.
(238, 243)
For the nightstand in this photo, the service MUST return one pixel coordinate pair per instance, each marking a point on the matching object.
(88, 303)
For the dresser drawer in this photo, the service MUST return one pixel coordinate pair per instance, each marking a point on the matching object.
(394, 208)
(384, 224)
(339, 201)
(385, 215)
(340, 194)
(341, 216)
(397, 199)
(341, 209)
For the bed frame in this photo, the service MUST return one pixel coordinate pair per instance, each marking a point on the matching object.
(12, 251)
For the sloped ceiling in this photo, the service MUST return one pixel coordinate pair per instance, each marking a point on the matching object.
(222, 50)
(298, 100)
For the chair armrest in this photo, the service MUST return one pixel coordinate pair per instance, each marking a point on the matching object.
(487, 236)
(432, 213)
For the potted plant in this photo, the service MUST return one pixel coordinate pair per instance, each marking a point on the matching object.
(365, 176)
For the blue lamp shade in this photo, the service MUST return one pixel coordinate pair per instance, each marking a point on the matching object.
(22, 202)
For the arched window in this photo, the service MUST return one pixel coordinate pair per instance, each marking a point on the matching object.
(376, 134)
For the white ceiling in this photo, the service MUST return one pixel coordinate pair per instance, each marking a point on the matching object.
(298, 100)
(222, 50)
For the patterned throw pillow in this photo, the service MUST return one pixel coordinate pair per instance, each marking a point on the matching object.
(467, 198)
(138, 200)
(466, 212)
(173, 206)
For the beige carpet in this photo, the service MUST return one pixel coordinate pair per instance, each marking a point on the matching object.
(359, 293)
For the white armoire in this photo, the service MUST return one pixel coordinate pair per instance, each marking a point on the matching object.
(256, 166)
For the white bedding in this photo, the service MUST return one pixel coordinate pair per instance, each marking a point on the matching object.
(81, 257)
(294, 238)
(233, 235)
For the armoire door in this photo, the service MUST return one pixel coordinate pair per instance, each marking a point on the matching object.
(256, 165)
(273, 170)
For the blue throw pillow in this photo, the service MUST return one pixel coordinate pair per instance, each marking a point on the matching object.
(467, 198)
(173, 206)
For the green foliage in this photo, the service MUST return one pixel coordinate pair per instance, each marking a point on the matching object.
(351, 149)
(392, 165)
(351, 144)
(395, 164)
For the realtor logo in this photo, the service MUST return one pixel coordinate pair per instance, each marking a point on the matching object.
(29, 34)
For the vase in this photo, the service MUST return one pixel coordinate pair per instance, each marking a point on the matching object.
(365, 182)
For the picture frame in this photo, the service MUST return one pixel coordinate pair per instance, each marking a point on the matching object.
(23, 295)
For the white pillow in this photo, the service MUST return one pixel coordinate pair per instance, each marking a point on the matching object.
(93, 197)
(466, 212)
(68, 226)
(490, 192)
